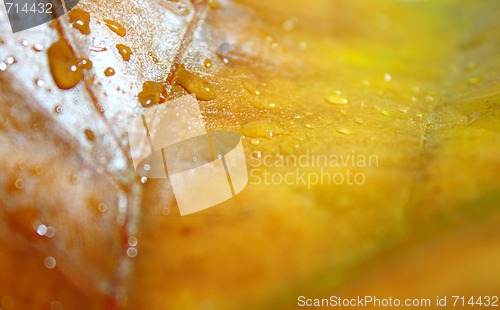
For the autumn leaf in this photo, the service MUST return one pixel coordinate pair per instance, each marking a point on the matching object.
(413, 84)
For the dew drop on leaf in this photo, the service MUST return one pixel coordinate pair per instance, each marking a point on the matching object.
(41, 230)
(116, 27)
(80, 20)
(344, 131)
(19, 184)
(109, 71)
(250, 88)
(38, 47)
(255, 141)
(150, 94)
(124, 51)
(132, 252)
(51, 232)
(39, 83)
(85, 63)
(194, 84)
(263, 105)
(63, 65)
(89, 134)
(21, 164)
(50, 262)
(336, 99)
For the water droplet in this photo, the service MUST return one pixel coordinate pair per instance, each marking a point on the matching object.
(132, 241)
(21, 164)
(39, 82)
(38, 47)
(3, 66)
(359, 121)
(310, 126)
(132, 252)
(25, 42)
(288, 25)
(223, 51)
(474, 81)
(263, 128)
(387, 77)
(116, 27)
(51, 232)
(147, 167)
(11, 60)
(102, 207)
(19, 184)
(255, 141)
(109, 71)
(155, 59)
(336, 99)
(344, 131)
(38, 170)
(150, 94)
(207, 63)
(250, 88)
(75, 179)
(80, 20)
(144, 180)
(89, 134)
(263, 105)
(85, 64)
(63, 65)
(194, 84)
(58, 109)
(41, 230)
(385, 112)
(50, 262)
(124, 51)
